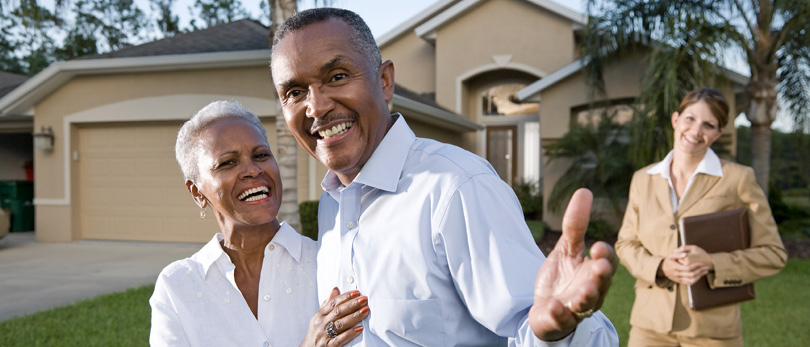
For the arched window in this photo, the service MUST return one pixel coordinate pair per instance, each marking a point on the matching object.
(500, 100)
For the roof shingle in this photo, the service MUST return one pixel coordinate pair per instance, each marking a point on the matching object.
(242, 35)
(9, 81)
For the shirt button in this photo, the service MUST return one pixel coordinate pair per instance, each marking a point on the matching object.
(672, 226)
(267, 297)
(350, 225)
(350, 279)
(289, 290)
(272, 247)
(266, 344)
(199, 295)
(227, 301)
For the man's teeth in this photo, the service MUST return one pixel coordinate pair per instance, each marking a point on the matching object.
(257, 190)
(335, 130)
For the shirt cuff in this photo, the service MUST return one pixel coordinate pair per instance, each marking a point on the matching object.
(596, 330)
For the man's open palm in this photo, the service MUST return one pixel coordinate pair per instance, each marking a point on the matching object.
(568, 282)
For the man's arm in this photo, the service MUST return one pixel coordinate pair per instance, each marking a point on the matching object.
(494, 262)
(570, 285)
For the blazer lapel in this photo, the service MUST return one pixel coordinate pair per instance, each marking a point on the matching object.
(661, 190)
(702, 184)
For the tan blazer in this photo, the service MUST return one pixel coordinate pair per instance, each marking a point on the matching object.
(649, 232)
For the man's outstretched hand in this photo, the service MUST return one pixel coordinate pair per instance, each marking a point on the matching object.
(569, 285)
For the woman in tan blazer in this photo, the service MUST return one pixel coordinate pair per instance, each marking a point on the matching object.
(692, 180)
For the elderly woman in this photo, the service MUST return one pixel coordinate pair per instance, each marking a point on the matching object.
(692, 180)
(253, 284)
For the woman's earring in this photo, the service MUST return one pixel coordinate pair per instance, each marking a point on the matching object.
(202, 212)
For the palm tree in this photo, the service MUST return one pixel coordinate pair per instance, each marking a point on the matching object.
(686, 41)
(598, 151)
(286, 147)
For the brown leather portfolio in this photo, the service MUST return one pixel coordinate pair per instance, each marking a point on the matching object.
(724, 231)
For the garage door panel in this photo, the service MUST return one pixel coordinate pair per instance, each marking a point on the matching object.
(131, 188)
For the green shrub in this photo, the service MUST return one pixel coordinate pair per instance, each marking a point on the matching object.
(793, 221)
(599, 228)
(308, 213)
(537, 228)
(531, 199)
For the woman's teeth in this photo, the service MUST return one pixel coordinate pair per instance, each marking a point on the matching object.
(261, 193)
(335, 130)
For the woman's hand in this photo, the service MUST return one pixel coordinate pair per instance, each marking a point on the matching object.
(696, 255)
(679, 270)
(343, 311)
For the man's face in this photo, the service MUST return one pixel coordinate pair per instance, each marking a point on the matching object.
(334, 100)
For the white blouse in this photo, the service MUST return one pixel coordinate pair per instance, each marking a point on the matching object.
(197, 303)
(709, 165)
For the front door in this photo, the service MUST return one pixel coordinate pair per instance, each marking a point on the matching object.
(502, 151)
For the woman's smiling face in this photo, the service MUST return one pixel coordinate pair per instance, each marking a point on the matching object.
(238, 174)
(696, 128)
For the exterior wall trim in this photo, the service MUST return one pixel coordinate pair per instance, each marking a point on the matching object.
(42, 84)
(491, 67)
(406, 27)
(427, 30)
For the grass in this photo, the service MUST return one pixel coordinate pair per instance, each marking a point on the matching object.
(778, 317)
(119, 319)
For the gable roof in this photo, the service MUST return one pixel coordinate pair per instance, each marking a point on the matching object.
(408, 25)
(576, 66)
(427, 30)
(426, 104)
(241, 35)
(236, 44)
(9, 81)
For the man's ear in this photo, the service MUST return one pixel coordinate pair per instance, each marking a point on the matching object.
(198, 197)
(387, 79)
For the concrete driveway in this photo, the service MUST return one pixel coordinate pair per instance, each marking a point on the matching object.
(37, 276)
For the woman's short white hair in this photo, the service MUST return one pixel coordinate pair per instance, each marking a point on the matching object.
(188, 146)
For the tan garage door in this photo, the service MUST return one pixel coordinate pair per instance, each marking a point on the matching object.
(130, 187)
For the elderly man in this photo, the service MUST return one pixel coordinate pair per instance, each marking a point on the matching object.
(426, 230)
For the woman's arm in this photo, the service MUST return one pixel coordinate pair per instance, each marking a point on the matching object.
(767, 254)
(166, 328)
(639, 261)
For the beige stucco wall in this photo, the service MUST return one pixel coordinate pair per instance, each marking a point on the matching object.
(94, 99)
(414, 62)
(537, 40)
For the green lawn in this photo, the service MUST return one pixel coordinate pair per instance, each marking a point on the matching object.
(119, 319)
(778, 317)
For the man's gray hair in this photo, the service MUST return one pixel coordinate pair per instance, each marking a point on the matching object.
(361, 38)
(189, 144)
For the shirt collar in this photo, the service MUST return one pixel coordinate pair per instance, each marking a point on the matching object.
(709, 165)
(285, 237)
(383, 168)
(288, 238)
(210, 253)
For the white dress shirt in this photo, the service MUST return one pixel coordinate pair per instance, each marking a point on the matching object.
(197, 303)
(709, 165)
(438, 243)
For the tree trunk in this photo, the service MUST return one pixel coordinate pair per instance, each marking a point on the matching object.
(286, 150)
(761, 154)
(761, 110)
(287, 156)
